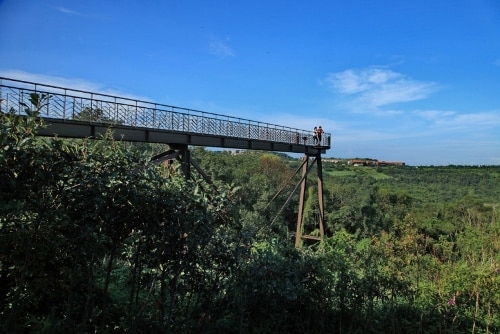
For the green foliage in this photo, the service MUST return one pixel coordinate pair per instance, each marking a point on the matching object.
(277, 290)
(90, 114)
(95, 238)
(398, 236)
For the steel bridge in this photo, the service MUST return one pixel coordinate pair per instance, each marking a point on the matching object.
(80, 114)
(73, 113)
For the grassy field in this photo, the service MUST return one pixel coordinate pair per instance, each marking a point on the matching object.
(359, 171)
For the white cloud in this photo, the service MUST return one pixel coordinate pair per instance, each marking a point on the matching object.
(50, 80)
(433, 115)
(220, 48)
(373, 88)
(446, 119)
(71, 12)
(357, 81)
(475, 120)
(70, 83)
(68, 11)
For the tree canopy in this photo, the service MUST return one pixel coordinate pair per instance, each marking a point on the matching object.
(94, 237)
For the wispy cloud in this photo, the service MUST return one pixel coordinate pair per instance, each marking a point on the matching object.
(435, 115)
(473, 121)
(71, 83)
(78, 84)
(373, 88)
(68, 11)
(454, 120)
(357, 81)
(220, 48)
(71, 12)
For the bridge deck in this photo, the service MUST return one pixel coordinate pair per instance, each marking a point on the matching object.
(79, 114)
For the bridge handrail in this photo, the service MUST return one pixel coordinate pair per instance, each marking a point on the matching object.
(69, 104)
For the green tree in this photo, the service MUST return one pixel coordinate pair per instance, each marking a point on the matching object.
(94, 238)
(91, 114)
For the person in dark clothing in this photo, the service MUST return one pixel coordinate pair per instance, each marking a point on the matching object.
(319, 133)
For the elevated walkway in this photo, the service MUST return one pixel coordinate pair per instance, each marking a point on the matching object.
(80, 114)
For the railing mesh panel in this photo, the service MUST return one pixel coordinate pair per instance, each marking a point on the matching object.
(68, 104)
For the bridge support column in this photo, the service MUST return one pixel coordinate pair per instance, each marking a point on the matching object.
(183, 155)
(299, 235)
(185, 158)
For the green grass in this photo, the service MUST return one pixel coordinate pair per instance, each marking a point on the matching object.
(341, 173)
(373, 172)
(353, 171)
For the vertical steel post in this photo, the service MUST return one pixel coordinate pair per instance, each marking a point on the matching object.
(186, 162)
(299, 235)
(300, 215)
(320, 197)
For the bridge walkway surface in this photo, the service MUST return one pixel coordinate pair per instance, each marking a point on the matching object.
(73, 113)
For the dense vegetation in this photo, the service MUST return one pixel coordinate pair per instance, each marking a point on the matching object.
(96, 238)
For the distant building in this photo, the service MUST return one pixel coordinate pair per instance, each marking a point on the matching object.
(390, 163)
(234, 152)
(374, 163)
(333, 160)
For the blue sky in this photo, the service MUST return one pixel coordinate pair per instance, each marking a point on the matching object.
(399, 80)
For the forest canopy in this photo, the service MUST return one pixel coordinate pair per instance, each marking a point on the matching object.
(94, 237)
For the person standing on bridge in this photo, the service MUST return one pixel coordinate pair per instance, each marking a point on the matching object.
(320, 133)
(315, 135)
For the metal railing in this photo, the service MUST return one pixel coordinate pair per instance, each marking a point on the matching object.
(77, 105)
